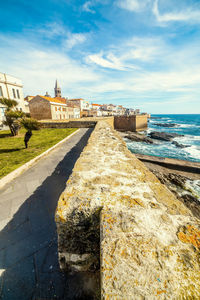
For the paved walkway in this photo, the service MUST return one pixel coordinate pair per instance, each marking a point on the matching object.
(28, 242)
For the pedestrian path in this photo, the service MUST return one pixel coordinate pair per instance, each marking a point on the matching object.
(28, 241)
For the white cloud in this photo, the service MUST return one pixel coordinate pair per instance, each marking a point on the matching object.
(87, 6)
(142, 49)
(132, 5)
(44, 66)
(74, 39)
(129, 55)
(184, 15)
(51, 30)
(138, 58)
(183, 80)
(110, 61)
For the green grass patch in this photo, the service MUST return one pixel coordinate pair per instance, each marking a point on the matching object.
(13, 153)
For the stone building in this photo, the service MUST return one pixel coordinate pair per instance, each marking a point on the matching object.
(11, 88)
(47, 108)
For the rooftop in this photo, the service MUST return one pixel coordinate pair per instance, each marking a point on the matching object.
(57, 99)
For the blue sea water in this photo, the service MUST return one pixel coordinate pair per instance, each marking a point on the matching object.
(187, 125)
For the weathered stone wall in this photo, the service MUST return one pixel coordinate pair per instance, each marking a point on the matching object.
(115, 216)
(69, 124)
(40, 109)
(131, 123)
(76, 123)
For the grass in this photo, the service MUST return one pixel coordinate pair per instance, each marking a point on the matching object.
(13, 153)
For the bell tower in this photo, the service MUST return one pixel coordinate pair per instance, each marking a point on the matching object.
(57, 90)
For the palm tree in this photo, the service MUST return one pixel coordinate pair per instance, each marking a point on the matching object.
(11, 115)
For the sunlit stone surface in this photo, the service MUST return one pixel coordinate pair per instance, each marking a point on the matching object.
(115, 216)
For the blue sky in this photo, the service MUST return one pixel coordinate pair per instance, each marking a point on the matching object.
(139, 53)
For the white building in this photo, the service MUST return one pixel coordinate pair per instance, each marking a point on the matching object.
(81, 103)
(96, 108)
(11, 88)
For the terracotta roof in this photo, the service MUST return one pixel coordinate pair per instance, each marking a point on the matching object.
(75, 99)
(94, 104)
(56, 100)
(63, 100)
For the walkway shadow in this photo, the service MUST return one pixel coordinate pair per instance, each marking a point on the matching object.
(28, 243)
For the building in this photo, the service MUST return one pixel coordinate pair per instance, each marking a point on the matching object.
(47, 108)
(75, 110)
(11, 88)
(96, 109)
(28, 98)
(83, 104)
(137, 111)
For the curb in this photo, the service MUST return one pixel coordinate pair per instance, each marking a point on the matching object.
(6, 179)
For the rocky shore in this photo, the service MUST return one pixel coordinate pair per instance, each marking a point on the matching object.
(154, 135)
(180, 183)
(180, 177)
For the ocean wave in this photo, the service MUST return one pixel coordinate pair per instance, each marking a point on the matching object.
(187, 138)
(166, 149)
(193, 151)
(188, 125)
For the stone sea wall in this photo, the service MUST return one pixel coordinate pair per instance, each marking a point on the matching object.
(117, 219)
(131, 123)
(76, 123)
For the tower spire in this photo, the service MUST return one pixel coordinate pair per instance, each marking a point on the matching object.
(57, 90)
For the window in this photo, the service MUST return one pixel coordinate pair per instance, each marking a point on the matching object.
(55, 108)
(18, 95)
(1, 92)
(14, 95)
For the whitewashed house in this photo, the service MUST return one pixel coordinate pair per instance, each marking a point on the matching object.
(11, 88)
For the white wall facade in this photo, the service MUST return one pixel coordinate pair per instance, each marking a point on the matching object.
(11, 88)
(59, 111)
(76, 113)
(84, 104)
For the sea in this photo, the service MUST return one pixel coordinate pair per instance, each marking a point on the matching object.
(187, 125)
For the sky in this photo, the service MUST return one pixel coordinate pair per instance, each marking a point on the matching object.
(138, 53)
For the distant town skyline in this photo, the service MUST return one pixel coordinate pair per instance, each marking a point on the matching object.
(139, 54)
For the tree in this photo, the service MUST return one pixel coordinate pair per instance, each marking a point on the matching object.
(12, 116)
(29, 124)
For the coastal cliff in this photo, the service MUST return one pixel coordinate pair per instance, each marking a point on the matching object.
(115, 219)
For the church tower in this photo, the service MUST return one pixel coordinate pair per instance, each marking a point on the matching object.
(57, 90)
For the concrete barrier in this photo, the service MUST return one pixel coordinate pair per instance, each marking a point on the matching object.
(117, 220)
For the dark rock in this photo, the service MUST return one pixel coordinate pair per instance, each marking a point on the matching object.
(154, 118)
(166, 124)
(180, 145)
(136, 137)
(176, 184)
(171, 178)
(163, 136)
